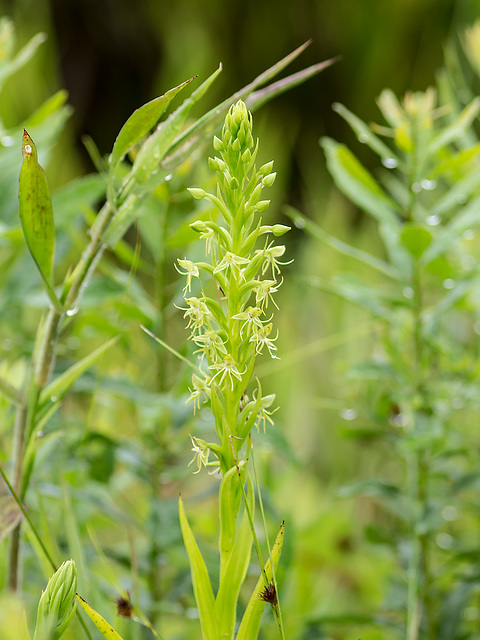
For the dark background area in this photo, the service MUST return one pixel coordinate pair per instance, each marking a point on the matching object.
(114, 55)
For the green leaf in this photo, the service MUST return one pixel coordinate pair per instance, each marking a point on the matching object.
(10, 515)
(36, 214)
(250, 624)
(10, 392)
(235, 569)
(415, 239)
(102, 625)
(203, 128)
(357, 183)
(58, 387)
(9, 66)
(141, 122)
(200, 579)
(457, 128)
(258, 98)
(342, 247)
(76, 196)
(366, 136)
(157, 145)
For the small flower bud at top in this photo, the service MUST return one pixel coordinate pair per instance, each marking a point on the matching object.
(198, 194)
(279, 229)
(269, 179)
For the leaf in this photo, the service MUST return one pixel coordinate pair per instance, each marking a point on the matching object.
(36, 213)
(357, 183)
(77, 195)
(457, 129)
(258, 98)
(200, 579)
(415, 239)
(102, 625)
(157, 145)
(10, 392)
(203, 128)
(9, 66)
(235, 570)
(342, 247)
(250, 624)
(10, 515)
(140, 123)
(58, 387)
(366, 136)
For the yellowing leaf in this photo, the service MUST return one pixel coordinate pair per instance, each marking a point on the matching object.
(102, 625)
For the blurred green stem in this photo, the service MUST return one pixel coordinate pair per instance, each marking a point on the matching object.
(39, 375)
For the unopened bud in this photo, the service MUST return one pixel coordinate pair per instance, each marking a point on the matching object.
(280, 229)
(198, 194)
(57, 603)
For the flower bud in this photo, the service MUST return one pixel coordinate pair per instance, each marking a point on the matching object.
(279, 229)
(198, 194)
(269, 179)
(200, 226)
(57, 603)
(217, 144)
(266, 168)
(262, 205)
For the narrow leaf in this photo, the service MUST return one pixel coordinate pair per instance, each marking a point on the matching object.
(202, 129)
(357, 183)
(200, 579)
(58, 387)
(250, 624)
(10, 392)
(366, 135)
(141, 122)
(342, 247)
(157, 145)
(10, 515)
(258, 98)
(102, 625)
(9, 67)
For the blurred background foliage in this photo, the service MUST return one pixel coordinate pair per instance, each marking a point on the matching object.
(115, 457)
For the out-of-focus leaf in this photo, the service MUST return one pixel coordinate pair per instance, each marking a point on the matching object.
(366, 136)
(102, 625)
(466, 220)
(58, 387)
(78, 194)
(141, 122)
(415, 239)
(250, 624)
(451, 611)
(8, 65)
(10, 515)
(342, 247)
(200, 579)
(457, 128)
(357, 183)
(10, 392)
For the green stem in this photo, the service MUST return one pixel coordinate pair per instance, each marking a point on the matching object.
(39, 376)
